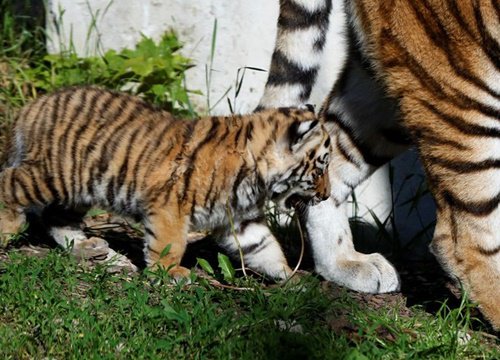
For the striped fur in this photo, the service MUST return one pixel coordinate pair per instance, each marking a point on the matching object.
(88, 146)
(425, 72)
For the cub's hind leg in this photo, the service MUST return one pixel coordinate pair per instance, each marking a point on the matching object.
(166, 241)
(261, 250)
(20, 188)
(64, 224)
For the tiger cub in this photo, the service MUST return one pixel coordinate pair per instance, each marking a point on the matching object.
(93, 147)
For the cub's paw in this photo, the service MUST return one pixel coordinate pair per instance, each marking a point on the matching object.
(370, 273)
(91, 248)
(12, 225)
(180, 273)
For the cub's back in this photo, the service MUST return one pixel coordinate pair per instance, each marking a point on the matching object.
(72, 111)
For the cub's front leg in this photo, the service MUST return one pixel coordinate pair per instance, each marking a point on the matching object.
(261, 250)
(166, 229)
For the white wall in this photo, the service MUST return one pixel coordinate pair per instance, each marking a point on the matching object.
(245, 37)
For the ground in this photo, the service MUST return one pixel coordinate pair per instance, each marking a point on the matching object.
(331, 323)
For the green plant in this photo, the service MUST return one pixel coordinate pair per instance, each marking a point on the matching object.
(154, 71)
(51, 307)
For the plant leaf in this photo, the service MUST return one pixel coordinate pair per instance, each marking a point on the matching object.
(165, 251)
(204, 264)
(226, 267)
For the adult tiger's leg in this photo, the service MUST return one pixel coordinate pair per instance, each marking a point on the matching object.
(365, 133)
(464, 178)
(467, 244)
(359, 118)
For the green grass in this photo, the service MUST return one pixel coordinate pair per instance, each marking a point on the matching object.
(51, 307)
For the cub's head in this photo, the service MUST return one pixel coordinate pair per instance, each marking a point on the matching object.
(303, 154)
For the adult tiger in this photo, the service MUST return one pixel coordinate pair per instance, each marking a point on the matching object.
(421, 71)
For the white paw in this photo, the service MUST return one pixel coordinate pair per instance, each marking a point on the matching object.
(98, 251)
(368, 273)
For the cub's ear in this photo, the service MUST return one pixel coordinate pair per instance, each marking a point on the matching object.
(308, 107)
(299, 131)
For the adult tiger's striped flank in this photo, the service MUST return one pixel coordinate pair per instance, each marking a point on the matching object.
(421, 71)
(88, 146)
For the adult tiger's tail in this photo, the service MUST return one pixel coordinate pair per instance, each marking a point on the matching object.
(302, 27)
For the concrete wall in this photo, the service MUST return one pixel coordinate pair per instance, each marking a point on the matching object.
(245, 36)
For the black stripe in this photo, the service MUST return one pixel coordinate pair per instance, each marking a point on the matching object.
(490, 45)
(284, 71)
(65, 147)
(244, 224)
(150, 249)
(24, 189)
(193, 205)
(188, 132)
(192, 158)
(364, 149)
(78, 164)
(11, 188)
(346, 155)
(210, 188)
(101, 164)
(486, 43)
(256, 247)
(146, 153)
(465, 167)
(149, 232)
(242, 173)
(223, 136)
(488, 252)
(427, 138)
(49, 181)
(461, 125)
(460, 100)
(124, 170)
(238, 135)
(39, 119)
(263, 152)
(108, 119)
(249, 132)
(35, 179)
(438, 35)
(478, 208)
(293, 16)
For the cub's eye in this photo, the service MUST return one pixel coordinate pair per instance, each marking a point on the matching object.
(317, 173)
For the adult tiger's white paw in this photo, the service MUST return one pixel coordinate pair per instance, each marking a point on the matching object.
(370, 273)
